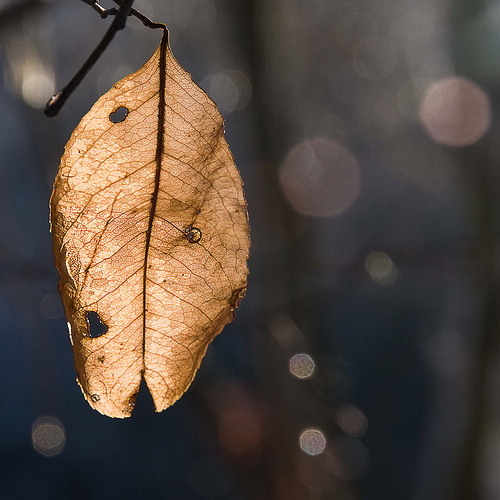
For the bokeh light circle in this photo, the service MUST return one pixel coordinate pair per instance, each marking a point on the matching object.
(410, 96)
(37, 84)
(312, 441)
(381, 268)
(375, 58)
(351, 420)
(51, 306)
(48, 436)
(320, 177)
(302, 365)
(455, 111)
(230, 89)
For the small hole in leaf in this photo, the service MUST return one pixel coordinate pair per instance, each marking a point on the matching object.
(118, 115)
(96, 326)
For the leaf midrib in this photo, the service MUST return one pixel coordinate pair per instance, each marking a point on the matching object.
(160, 146)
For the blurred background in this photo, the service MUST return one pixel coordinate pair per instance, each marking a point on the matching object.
(364, 363)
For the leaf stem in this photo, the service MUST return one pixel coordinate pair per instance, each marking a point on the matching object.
(144, 20)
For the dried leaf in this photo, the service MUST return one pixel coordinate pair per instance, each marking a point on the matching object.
(150, 236)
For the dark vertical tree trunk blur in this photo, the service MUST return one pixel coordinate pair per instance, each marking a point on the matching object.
(275, 225)
(481, 190)
(482, 187)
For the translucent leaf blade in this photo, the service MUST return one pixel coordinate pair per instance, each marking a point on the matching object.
(150, 232)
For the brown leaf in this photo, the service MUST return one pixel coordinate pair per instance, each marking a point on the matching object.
(150, 236)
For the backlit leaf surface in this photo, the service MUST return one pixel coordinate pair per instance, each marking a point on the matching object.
(150, 236)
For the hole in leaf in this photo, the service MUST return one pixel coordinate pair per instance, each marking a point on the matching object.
(118, 115)
(96, 326)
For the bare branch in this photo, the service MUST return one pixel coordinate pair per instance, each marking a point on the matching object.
(57, 101)
(104, 13)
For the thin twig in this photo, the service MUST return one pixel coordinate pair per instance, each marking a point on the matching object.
(144, 20)
(57, 101)
(104, 13)
(125, 9)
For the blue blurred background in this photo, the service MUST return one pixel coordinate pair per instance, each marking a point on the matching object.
(364, 363)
